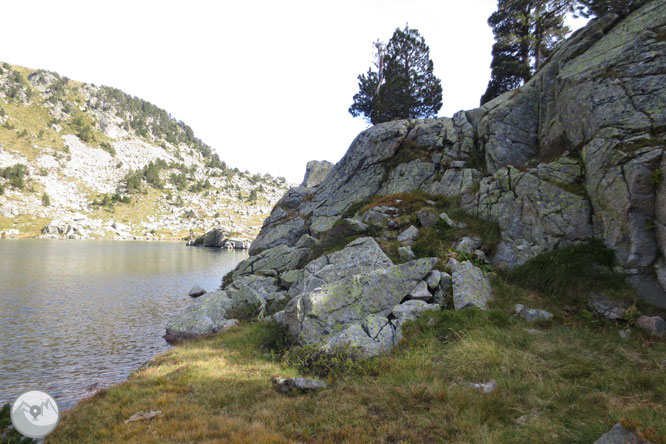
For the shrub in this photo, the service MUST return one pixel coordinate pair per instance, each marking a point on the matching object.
(244, 311)
(46, 200)
(15, 174)
(106, 146)
(322, 363)
(570, 272)
(273, 337)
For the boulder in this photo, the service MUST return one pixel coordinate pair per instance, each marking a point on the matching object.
(409, 235)
(606, 307)
(333, 307)
(447, 220)
(379, 216)
(467, 245)
(620, 435)
(653, 325)
(433, 279)
(411, 310)
(215, 238)
(315, 172)
(532, 314)
(197, 291)
(372, 336)
(470, 287)
(206, 315)
(288, 385)
(427, 219)
(420, 292)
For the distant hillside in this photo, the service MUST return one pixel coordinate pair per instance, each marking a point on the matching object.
(85, 161)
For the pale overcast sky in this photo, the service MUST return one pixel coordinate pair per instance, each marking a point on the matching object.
(266, 83)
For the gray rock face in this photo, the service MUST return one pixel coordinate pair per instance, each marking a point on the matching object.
(315, 172)
(532, 314)
(620, 435)
(408, 177)
(333, 307)
(534, 215)
(287, 230)
(470, 287)
(359, 256)
(273, 261)
(454, 183)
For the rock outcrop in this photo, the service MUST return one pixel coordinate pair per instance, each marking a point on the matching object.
(315, 172)
(576, 153)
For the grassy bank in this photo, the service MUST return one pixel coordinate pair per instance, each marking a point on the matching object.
(565, 381)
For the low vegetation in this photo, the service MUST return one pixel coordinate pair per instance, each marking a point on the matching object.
(568, 381)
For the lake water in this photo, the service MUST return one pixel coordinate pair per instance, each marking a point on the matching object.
(76, 316)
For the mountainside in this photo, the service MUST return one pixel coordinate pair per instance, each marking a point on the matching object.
(85, 161)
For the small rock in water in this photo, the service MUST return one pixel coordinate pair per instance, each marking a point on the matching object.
(287, 385)
(197, 291)
(143, 416)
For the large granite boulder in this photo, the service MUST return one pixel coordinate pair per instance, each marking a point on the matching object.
(315, 172)
(332, 307)
(206, 315)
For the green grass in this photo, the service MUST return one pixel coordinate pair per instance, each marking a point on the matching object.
(571, 273)
(567, 384)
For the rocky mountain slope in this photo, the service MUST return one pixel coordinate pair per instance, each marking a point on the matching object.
(85, 161)
(418, 212)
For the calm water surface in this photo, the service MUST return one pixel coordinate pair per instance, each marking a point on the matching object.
(76, 316)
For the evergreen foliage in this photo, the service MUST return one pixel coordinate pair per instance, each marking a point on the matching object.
(526, 33)
(403, 85)
(146, 119)
(589, 8)
(15, 175)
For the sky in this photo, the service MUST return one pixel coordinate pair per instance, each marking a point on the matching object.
(267, 84)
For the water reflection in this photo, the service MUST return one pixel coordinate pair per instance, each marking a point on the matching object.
(75, 314)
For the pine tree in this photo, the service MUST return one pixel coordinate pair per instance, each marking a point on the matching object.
(402, 85)
(526, 32)
(589, 8)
